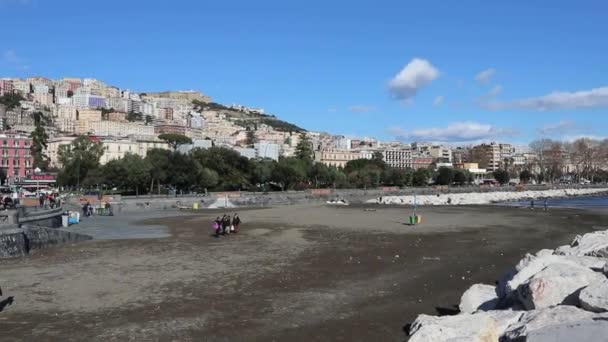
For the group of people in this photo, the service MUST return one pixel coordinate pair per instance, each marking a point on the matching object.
(226, 225)
(51, 200)
(545, 204)
(88, 210)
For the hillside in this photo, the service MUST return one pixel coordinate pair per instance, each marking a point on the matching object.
(248, 118)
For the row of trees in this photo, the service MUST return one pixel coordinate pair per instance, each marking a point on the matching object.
(219, 168)
(580, 159)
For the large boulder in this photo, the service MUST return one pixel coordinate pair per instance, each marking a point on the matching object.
(549, 324)
(478, 297)
(595, 297)
(557, 283)
(530, 265)
(592, 244)
(481, 327)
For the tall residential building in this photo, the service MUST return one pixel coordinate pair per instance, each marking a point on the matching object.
(15, 158)
(6, 86)
(89, 115)
(398, 158)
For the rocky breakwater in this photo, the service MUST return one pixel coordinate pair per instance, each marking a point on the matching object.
(553, 295)
(484, 197)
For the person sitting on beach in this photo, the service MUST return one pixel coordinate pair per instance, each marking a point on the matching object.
(236, 221)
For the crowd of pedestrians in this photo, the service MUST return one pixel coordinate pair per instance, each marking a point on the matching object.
(226, 225)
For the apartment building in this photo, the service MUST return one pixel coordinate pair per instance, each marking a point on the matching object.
(114, 148)
(398, 158)
(15, 157)
(338, 158)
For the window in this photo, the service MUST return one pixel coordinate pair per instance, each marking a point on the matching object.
(4, 143)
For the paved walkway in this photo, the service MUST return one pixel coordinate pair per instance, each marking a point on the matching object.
(123, 226)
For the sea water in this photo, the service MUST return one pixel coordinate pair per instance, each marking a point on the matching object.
(583, 202)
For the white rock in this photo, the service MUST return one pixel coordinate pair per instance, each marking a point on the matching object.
(461, 328)
(544, 252)
(556, 284)
(478, 297)
(481, 326)
(530, 265)
(592, 244)
(483, 197)
(595, 297)
(539, 322)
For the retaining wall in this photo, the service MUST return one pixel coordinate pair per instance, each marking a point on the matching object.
(16, 242)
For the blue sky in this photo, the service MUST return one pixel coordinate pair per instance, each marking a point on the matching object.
(425, 70)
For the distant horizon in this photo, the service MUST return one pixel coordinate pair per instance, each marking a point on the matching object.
(461, 72)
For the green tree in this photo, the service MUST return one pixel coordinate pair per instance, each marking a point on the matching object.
(421, 177)
(158, 159)
(137, 171)
(39, 143)
(445, 176)
(182, 173)
(175, 140)
(77, 159)
(148, 119)
(289, 172)
(70, 93)
(460, 177)
(251, 139)
(11, 100)
(304, 149)
(502, 176)
(261, 171)
(233, 168)
(525, 176)
(207, 178)
(398, 177)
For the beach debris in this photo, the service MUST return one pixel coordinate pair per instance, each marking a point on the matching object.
(594, 297)
(478, 297)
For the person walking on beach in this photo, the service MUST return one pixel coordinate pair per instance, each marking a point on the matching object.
(216, 226)
(225, 223)
(532, 204)
(545, 204)
(236, 221)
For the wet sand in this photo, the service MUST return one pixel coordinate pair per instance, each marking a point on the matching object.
(297, 273)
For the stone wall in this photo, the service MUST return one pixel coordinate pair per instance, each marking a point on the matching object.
(16, 242)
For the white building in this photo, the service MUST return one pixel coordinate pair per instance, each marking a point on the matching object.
(267, 150)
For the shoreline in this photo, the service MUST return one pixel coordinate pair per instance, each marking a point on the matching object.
(477, 198)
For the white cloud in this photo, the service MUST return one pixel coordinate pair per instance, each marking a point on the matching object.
(485, 75)
(558, 100)
(361, 109)
(438, 101)
(417, 74)
(571, 138)
(495, 91)
(457, 132)
(559, 128)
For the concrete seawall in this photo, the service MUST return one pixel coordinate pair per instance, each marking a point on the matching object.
(23, 230)
(16, 242)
